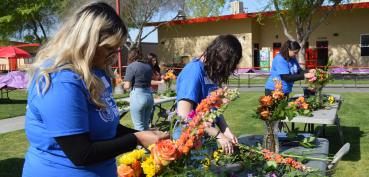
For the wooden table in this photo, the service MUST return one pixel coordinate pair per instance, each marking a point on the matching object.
(320, 151)
(326, 116)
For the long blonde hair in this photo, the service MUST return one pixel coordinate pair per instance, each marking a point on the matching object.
(73, 47)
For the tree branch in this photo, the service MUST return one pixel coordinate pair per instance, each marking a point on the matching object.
(283, 21)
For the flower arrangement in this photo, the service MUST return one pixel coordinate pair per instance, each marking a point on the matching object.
(166, 153)
(274, 108)
(169, 77)
(317, 83)
(301, 106)
(257, 161)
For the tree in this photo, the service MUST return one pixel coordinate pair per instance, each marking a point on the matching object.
(137, 13)
(306, 15)
(29, 18)
(203, 8)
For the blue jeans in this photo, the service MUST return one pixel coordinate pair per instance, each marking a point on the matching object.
(141, 105)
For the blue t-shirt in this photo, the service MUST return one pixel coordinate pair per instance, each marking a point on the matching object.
(193, 83)
(65, 109)
(282, 66)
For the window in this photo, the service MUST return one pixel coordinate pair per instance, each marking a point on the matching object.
(28, 60)
(364, 44)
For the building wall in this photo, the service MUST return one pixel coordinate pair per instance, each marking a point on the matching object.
(189, 41)
(343, 49)
(342, 30)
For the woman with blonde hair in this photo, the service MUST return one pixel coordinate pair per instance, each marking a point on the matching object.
(72, 121)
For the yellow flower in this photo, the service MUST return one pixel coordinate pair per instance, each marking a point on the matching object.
(130, 157)
(206, 163)
(331, 99)
(149, 167)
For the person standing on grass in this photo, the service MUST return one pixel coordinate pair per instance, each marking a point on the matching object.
(72, 121)
(286, 68)
(138, 80)
(203, 75)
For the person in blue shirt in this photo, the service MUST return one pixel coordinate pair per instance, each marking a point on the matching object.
(203, 75)
(285, 67)
(72, 121)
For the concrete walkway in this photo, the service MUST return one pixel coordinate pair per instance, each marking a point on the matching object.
(11, 124)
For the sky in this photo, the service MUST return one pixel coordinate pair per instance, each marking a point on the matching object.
(249, 6)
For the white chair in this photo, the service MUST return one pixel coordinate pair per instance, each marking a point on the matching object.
(336, 158)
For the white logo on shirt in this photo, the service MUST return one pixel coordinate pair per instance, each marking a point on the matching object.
(111, 111)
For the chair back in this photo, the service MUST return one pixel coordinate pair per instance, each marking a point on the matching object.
(338, 156)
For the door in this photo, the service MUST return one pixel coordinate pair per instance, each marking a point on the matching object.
(256, 56)
(322, 52)
(13, 64)
(276, 47)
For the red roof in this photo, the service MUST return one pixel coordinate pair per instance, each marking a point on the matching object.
(247, 15)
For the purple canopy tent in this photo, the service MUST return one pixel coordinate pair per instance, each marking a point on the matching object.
(11, 81)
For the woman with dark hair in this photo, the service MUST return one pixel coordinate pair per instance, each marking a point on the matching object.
(138, 80)
(205, 74)
(152, 59)
(285, 67)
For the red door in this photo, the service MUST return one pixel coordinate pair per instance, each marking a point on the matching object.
(13, 64)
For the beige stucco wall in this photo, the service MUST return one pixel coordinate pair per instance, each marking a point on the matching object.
(191, 40)
(344, 49)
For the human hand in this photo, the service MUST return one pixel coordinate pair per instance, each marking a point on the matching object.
(146, 138)
(309, 75)
(230, 135)
(225, 143)
(313, 71)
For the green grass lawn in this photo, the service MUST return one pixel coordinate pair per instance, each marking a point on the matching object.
(15, 105)
(354, 120)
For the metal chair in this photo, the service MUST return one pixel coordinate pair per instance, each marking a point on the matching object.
(336, 158)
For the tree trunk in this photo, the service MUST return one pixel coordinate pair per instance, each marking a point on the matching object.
(301, 57)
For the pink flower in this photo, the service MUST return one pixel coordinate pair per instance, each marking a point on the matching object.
(312, 79)
(191, 115)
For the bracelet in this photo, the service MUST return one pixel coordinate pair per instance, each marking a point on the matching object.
(216, 136)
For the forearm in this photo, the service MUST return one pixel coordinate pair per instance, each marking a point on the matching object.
(293, 77)
(154, 82)
(82, 151)
(122, 130)
(222, 124)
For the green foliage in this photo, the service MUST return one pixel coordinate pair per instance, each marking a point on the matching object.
(29, 18)
(203, 8)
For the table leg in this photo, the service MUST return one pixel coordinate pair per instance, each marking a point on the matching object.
(292, 126)
(339, 129)
(323, 132)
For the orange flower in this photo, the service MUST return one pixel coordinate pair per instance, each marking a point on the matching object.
(264, 113)
(278, 85)
(305, 106)
(164, 152)
(185, 150)
(136, 166)
(125, 171)
(189, 143)
(300, 99)
(276, 94)
(266, 101)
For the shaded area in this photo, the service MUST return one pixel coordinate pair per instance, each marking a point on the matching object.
(351, 135)
(11, 167)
